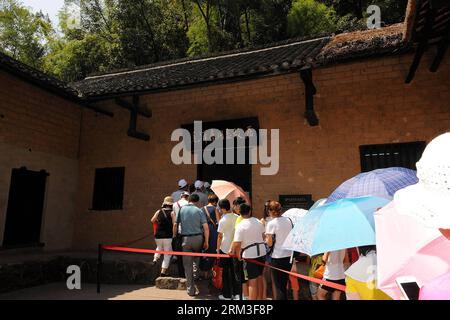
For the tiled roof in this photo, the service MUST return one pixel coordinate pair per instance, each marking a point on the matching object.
(281, 57)
(37, 77)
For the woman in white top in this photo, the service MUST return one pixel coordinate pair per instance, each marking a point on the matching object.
(335, 263)
(248, 243)
(276, 232)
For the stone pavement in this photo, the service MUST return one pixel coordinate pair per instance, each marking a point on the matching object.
(59, 291)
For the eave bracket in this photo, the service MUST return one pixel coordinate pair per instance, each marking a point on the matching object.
(310, 91)
(135, 111)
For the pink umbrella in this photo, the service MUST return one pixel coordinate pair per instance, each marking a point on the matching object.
(228, 190)
(407, 248)
(437, 289)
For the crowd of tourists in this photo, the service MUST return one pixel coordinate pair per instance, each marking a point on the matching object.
(200, 222)
(255, 264)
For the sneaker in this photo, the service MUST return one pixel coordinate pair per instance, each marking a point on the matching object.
(221, 297)
(237, 297)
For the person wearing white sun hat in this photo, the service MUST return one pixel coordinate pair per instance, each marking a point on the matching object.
(199, 191)
(428, 201)
(182, 187)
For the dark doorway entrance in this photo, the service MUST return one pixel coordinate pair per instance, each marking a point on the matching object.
(25, 206)
(240, 174)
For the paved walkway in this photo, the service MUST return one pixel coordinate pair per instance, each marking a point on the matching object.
(59, 291)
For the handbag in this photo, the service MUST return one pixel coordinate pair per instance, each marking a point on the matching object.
(217, 271)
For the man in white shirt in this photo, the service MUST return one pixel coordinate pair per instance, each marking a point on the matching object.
(231, 287)
(248, 243)
(179, 204)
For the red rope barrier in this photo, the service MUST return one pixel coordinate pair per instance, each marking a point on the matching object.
(215, 255)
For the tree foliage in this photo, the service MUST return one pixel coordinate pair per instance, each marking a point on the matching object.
(112, 34)
(23, 34)
(308, 17)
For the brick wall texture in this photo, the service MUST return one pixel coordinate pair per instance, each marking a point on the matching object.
(360, 102)
(40, 131)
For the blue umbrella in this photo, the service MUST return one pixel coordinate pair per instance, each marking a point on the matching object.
(346, 223)
(381, 183)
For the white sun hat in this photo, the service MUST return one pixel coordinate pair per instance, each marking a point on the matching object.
(429, 200)
(182, 183)
(198, 184)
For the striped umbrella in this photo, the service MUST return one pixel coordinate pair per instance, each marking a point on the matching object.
(381, 183)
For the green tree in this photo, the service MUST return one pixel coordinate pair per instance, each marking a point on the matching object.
(392, 11)
(310, 17)
(92, 46)
(270, 20)
(151, 31)
(23, 34)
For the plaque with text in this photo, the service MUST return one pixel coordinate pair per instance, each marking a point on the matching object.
(302, 201)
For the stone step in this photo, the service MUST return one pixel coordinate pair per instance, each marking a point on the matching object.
(170, 283)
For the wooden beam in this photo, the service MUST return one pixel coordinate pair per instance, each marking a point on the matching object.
(422, 47)
(310, 91)
(97, 109)
(130, 106)
(415, 64)
(132, 130)
(441, 51)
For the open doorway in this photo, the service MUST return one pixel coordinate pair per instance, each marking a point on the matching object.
(25, 208)
(240, 174)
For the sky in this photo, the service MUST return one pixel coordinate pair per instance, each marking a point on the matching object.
(51, 7)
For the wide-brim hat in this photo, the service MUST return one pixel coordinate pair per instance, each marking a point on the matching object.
(429, 200)
(430, 207)
(168, 201)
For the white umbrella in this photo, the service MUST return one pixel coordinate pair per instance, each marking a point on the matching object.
(295, 214)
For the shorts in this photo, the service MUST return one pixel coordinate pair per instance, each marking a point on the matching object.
(253, 270)
(340, 281)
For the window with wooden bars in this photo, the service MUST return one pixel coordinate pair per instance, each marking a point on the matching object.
(380, 156)
(108, 189)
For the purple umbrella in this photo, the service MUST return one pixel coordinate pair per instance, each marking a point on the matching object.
(381, 183)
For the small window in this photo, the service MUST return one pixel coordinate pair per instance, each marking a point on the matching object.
(380, 156)
(108, 189)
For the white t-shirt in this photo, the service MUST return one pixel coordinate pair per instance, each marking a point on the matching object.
(226, 227)
(280, 227)
(334, 269)
(266, 221)
(248, 232)
(176, 209)
(177, 205)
